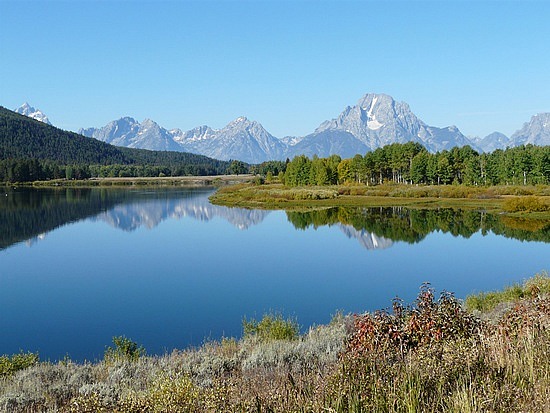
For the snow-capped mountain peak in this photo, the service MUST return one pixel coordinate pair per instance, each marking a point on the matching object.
(27, 110)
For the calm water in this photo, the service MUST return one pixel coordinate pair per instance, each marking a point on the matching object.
(168, 269)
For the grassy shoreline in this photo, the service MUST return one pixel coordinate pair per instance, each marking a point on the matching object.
(213, 180)
(278, 196)
(429, 356)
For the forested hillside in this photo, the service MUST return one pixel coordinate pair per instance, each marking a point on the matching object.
(31, 150)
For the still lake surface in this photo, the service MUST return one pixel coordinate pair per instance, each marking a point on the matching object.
(168, 269)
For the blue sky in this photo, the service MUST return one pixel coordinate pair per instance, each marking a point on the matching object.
(290, 65)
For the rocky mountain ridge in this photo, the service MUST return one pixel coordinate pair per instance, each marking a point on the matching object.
(375, 121)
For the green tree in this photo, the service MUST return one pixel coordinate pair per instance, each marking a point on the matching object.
(237, 168)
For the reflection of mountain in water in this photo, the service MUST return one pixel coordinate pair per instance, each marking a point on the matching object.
(29, 214)
(150, 213)
(367, 239)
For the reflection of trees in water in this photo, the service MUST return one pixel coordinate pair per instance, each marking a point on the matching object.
(412, 225)
(27, 214)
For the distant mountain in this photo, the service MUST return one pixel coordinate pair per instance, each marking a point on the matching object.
(132, 134)
(328, 142)
(27, 110)
(375, 121)
(495, 140)
(534, 132)
(378, 120)
(241, 139)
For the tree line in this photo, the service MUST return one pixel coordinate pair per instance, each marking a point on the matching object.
(411, 163)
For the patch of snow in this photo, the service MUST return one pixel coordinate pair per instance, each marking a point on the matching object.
(374, 124)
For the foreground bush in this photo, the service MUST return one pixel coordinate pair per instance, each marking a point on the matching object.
(430, 356)
(271, 327)
(123, 349)
(12, 364)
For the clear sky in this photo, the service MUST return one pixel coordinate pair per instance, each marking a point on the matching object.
(480, 65)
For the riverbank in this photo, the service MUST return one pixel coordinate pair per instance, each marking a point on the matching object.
(187, 181)
(430, 356)
(491, 199)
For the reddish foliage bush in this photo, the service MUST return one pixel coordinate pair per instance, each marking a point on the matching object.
(427, 321)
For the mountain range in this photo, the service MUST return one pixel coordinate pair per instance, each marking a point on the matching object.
(375, 121)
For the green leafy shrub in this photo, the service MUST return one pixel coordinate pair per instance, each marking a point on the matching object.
(525, 204)
(124, 350)
(271, 327)
(11, 364)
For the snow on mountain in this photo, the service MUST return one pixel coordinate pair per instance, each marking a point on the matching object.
(245, 140)
(292, 140)
(132, 134)
(534, 132)
(28, 110)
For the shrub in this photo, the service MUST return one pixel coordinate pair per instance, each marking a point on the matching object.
(11, 364)
(427, 321)
(271, 327)
(124, 350)
(167, 394)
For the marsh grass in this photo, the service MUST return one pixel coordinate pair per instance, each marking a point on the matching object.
(525, 204)
(488, 301)
(491, 199)
(429, 356)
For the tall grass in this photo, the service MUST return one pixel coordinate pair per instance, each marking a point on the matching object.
(487, 301)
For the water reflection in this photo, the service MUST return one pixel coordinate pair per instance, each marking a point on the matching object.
(151, 212)
(377, 227)
(29, 214)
